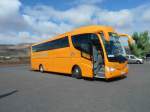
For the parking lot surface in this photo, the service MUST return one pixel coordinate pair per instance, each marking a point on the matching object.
(22, 90)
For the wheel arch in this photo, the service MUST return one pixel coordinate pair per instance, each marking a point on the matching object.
(40, 65)
(74, 67)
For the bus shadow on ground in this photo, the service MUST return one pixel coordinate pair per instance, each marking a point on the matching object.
(111, 80)
(87, 79)
(54, 73)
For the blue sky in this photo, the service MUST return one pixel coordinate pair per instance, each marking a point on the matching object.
(107, 4)
(25, 21)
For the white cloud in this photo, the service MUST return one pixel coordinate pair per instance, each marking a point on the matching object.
(19, 37)
(9, 7)
(76, 15)
(116, 18)
(146, 16)
(41, 22)
(10, 18)
(124, 20)
(79, 15)
(143, 13)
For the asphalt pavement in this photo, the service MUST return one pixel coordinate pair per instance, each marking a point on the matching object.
(23, 90)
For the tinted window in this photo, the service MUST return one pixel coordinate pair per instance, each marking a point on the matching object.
(132, 57)
(148, 55)
(55, 44)
(83, 42)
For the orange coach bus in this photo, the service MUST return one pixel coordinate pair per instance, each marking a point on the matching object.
(90, 51)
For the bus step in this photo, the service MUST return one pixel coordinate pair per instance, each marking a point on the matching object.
(100, 75)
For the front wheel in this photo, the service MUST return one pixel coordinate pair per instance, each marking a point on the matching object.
(138, 62)
(41, 68)
(76, 72)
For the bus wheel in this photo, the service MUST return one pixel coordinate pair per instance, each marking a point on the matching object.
(41, 68)
(76, 72)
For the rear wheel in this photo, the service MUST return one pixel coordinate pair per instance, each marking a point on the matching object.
(76, 72)
(41, 68)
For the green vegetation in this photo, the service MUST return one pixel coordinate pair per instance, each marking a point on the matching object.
(142, 44)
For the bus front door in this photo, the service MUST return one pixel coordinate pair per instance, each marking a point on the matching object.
(98, 66)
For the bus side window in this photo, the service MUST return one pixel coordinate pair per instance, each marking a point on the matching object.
(56, 44)
(82, 42)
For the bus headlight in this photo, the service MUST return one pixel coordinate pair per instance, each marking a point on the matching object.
(110, 69)
(127, 65)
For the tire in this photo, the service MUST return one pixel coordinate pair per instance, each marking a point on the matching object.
(138, 62)
(76, 72)
(41, 68)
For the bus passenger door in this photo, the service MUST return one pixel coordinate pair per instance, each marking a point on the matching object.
(98, 66)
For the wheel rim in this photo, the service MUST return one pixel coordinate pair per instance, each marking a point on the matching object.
(138, 62)
(77, 73)
(41, 69)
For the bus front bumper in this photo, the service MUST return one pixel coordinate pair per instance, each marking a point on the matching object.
(114, 73)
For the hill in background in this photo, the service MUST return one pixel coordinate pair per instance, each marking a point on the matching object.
(19, 53)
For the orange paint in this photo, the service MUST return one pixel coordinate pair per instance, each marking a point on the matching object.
(62, 60)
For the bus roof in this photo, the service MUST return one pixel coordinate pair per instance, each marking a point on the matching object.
(80, 30)
(90, 29)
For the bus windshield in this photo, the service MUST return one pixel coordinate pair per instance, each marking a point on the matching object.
(114, 49)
